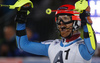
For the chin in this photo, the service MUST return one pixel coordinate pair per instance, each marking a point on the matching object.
(65, 36)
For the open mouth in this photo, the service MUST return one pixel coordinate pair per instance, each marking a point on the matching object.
(63, 28)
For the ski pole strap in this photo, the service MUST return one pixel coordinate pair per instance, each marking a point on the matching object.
(86, 35)
(21, 32)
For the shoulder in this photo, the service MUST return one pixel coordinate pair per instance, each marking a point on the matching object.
(51, 41)
(80, 41)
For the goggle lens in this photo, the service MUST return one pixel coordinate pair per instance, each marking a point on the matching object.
(65, 19)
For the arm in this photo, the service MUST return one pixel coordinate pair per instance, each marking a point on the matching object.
(28, 46)
(89, 48)
(22, 40)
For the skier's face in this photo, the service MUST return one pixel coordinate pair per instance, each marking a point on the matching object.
(65, 25)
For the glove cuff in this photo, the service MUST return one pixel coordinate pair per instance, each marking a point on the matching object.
(20, 32)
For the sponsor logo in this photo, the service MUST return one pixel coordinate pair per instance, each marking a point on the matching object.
(95, 7)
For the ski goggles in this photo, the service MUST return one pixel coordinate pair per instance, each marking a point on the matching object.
(65, 19)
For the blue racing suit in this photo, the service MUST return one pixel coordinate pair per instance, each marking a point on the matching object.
(86, 50)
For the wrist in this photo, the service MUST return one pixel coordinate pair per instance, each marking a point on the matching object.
(21, 26)
(21, 32)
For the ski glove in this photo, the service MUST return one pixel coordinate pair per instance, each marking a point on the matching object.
(85, 17)
(21, 16)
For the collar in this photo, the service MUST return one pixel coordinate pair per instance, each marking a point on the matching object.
(62, 45)
(72, 37)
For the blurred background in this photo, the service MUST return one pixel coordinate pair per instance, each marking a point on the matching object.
(40, 27)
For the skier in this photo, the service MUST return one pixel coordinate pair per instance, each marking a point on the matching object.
(71, 48)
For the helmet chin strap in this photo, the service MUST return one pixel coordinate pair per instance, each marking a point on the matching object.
(69, 36)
